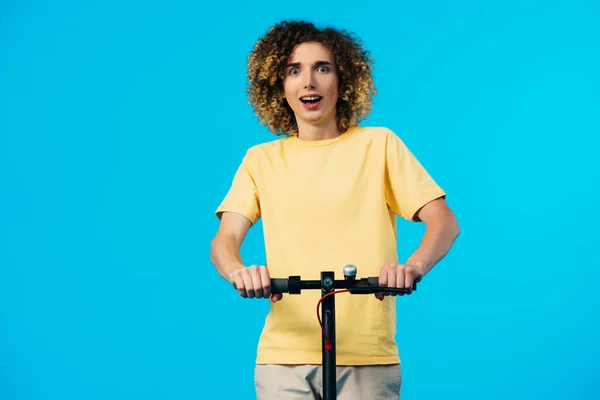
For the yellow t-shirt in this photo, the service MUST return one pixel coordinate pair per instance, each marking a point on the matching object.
(325, 204)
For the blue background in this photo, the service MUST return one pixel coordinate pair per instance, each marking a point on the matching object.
(122, 124)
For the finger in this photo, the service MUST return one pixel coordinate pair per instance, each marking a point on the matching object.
(256, 281)
(232, 277)
(392, 274)
(238, 283)
(265, 282)
(409, 278)
(276, 297)
(383, 281)
(400, 276)
(248, 284)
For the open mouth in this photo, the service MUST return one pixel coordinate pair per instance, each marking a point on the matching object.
(310, 99)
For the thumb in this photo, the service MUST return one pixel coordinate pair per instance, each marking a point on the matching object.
(276, 297)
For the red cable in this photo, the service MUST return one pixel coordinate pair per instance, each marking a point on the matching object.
(328, 344)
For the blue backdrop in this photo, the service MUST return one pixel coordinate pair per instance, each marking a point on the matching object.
(122, 124)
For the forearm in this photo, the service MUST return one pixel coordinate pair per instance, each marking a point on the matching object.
(225, 255)
(435, 244)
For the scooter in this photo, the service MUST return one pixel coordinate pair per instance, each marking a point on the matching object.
(328, 286)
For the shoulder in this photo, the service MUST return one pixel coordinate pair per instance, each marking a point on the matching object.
(271, 145)
(377, 132)
(264, 149)
(381, 135)
(256, 155)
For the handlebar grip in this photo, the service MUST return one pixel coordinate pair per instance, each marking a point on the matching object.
(374, 281)
(279, 285)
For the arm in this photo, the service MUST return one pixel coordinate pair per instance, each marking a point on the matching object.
(251, 282)
(440, 234)
(442, 230)
(225, 247)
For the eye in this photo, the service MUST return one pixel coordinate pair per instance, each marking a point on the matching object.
(294, 71)
(323, 68)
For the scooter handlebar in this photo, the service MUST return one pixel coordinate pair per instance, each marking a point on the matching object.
(358, 286)
(279, 285)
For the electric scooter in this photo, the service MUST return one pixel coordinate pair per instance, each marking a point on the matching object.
(328, 286)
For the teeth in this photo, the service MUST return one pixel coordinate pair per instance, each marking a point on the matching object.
(311, 98)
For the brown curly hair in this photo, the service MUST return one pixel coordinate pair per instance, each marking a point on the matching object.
(266, 72)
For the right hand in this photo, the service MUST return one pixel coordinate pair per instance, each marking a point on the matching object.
(253, 282)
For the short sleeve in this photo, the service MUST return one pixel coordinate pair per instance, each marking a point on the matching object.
(408, 185)
(242, 197)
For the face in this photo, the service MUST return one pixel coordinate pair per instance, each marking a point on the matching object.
(311, 85)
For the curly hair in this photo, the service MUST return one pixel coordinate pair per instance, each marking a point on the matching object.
(266, 72)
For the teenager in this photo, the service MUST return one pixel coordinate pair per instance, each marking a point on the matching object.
(328, 191)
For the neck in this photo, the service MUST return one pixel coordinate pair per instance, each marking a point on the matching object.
(322, 131)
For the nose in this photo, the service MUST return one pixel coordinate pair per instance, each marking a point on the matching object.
(309, 82)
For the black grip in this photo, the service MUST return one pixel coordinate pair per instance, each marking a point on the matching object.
(374, 281)
(279, 285)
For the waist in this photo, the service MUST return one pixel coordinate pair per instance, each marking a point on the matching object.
(365, 331)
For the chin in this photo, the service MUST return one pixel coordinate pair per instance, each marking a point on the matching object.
(315, 116)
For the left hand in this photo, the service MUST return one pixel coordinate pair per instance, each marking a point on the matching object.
(399, 276)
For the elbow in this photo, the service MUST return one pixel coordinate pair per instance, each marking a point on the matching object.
(214, 245)
(456, 228)
(450, 225)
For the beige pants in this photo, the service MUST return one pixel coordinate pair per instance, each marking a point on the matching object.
(291, 382)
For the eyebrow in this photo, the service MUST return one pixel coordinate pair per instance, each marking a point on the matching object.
(317, 64)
